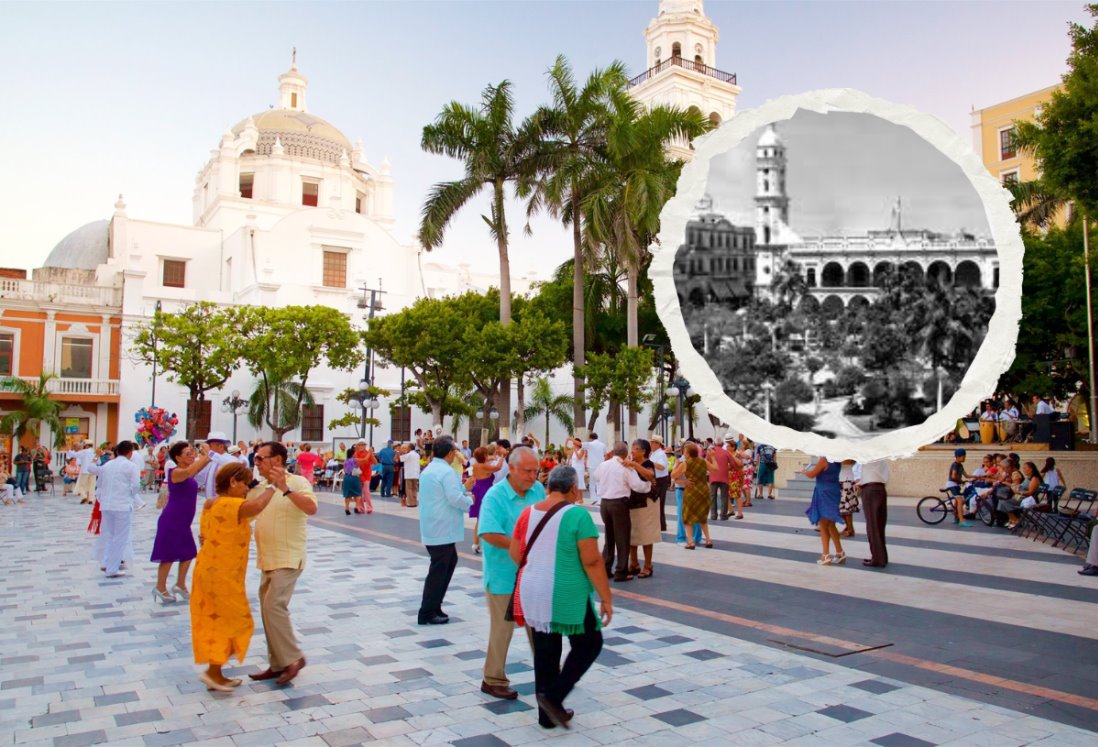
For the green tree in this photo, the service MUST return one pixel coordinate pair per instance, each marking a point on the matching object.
(197, 347)
(620, 379)
(553, 406)
(495, 153)
(281, 348)
(573, 132)
(36, 408)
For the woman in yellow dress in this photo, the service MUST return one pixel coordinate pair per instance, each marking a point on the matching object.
(221, 620)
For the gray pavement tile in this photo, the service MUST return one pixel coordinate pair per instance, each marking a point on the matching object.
(347, 737)
(648, 692)
(678, 717)
(168, 738)
(703, 654)
(305, 701)
(81, 739)
(899, 739)
(138, 717)
(387, 713)
(56, 717)
(675, 639)
(114, 698)
(21, 682)
(844, 713)
(500, 707)
(410, 674)
(480, 740)
(878, 687)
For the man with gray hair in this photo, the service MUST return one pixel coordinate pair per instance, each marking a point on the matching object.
(499, 512)
(617, 477)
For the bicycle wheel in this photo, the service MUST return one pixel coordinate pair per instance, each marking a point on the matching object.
(984, 512)
(932, 510)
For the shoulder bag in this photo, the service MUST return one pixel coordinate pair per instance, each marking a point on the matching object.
(509, 614)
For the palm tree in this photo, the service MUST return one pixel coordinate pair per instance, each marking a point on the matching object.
(552, 406)
(36, 409)
(1034, 204)
(274, 403)
(573, 139)
(622, 210)
(495, 153)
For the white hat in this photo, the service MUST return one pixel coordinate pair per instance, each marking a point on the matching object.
(729, 438)
(656, 437)
(217, 436)
(234, 449)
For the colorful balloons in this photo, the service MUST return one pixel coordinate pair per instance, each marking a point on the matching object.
(154, 425)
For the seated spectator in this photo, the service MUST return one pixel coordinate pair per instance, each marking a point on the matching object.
(69, 475)
(1024, 495)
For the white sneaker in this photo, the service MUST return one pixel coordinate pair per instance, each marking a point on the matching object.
(116, 575)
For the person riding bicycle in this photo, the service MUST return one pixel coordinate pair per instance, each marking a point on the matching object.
(954, 480)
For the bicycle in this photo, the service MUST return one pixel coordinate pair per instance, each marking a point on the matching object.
(933, 509)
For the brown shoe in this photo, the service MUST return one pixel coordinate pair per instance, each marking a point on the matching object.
(498, 691)
(266, 674)
(291, 671)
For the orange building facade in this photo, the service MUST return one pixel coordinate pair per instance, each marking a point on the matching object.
(69, 329)
(993, 135)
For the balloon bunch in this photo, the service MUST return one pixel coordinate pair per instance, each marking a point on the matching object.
(154, 425)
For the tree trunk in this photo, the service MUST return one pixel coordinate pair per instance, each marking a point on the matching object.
(579, 342)
(631, 333)
(520, 405)
(436, 414)
(504, 296)
(590, 422)
(199, 412)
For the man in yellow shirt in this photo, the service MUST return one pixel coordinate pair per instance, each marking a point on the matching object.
(280, 532)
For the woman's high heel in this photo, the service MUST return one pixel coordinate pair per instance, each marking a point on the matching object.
(162, 596)
(179, 591)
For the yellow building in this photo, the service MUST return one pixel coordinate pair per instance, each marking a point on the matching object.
(992, 135)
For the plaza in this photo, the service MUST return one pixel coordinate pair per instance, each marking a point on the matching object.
(968, 638)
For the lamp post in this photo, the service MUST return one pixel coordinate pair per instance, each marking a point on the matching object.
(681, 388)
(651, 341)
(156, 328)
(364, 401)
(373, 303)
(233, 404)
(767, 388)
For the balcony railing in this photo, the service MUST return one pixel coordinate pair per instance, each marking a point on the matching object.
(682, 62)
(64, 385)
(32, 290)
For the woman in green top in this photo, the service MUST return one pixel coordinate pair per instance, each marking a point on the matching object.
(553, 591)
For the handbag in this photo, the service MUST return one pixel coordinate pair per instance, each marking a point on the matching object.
(509, 614)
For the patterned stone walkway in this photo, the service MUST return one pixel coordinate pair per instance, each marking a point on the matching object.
(86, 660)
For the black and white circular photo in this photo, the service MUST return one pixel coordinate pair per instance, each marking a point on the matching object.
(838, 275)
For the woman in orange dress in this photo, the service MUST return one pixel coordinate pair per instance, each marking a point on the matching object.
(366, 461)
(221, 620)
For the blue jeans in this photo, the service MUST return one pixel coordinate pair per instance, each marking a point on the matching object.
(681, 536)
(22, 479)
(386, 479)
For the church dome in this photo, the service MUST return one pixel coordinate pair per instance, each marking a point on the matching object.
(770, 138)
(302, 135)
(84, 249)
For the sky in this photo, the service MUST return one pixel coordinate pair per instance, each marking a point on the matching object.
(844, 173)
(109, 98)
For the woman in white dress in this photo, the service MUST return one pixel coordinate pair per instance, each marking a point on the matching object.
(578, 462)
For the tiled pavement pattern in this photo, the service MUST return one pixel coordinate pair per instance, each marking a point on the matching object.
(87, 660)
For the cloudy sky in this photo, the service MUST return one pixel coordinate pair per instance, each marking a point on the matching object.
(103, 98)
(844, 174)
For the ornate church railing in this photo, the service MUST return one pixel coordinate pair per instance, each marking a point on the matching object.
(682, 62)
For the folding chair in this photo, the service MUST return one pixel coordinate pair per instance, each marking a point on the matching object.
(1071, 521)
(1042, 525)
(1029, 521)
(337, 482)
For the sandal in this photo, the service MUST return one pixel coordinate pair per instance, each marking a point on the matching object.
(709, 545)
(847, 533)
(634, 570)
(646, 573)
(690, 547)
(838, 559)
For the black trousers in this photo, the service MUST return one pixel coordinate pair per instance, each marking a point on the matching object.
(617, 528)
(554, 681)
(875, 507)
(662, 486)
(444, 559)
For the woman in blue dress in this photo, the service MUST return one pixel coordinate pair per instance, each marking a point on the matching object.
(824, 508)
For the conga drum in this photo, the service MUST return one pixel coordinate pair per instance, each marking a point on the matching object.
(987, 431)
(1007, 430)
(963, 433)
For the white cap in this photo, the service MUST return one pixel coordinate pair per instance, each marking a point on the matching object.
(217, 436)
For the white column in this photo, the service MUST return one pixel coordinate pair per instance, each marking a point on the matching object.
(103, 368)
(49, 344)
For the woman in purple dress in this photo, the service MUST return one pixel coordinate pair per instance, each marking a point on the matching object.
(483, 475)
(174, 541)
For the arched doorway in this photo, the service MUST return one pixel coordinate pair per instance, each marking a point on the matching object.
(857, 303)
(676, 52)
(832, 307)
(857, 276)
(912, 270)
(714, 120)
(967, 275)
(809, 305)
(697, 297)
(881, 272)
(939, 274)
(832, 276)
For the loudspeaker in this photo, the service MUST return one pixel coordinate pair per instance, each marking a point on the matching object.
(1042, 428)
(1062, 436)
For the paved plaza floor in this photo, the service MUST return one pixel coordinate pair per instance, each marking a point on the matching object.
(968, 638)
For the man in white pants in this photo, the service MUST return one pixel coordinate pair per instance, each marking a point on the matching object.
(119, 487)
(85, 481)
(596, 455)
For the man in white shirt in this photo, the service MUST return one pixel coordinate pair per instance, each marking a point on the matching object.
(872, 482)
(409, 461)
(617, 478)
(596, 454)
(663, 475)
(503, 449)
(85, 482)
(118, 491)
(219, 456)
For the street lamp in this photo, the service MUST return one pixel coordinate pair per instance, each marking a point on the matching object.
(767, 388)
(363, 400)
(373, 303)
(681, 388)
(651, 341)
(233, 404)
(156, 328)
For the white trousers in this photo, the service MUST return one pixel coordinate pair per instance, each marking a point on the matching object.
(9, 492)
(115, 534)
(594, 486)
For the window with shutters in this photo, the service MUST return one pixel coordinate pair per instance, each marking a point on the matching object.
(310, 193)
(175, 273)
(312, 423)
(335, 269)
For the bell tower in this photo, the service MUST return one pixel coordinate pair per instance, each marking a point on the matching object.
(771, 207)
(681, 54)
(291, 88)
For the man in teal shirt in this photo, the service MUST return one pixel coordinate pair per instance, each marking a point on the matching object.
(499, 512)
(442, 510)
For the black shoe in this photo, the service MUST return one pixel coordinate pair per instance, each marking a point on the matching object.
(1089, 570)
(622, 579)
(545, 723)
(436, 620)
(556, 713)
(347, 511)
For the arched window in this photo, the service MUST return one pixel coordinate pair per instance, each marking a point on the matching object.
(676, 50)
(714, 119)
(698, 60)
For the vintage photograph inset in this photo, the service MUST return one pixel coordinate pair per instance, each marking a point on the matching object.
(839, 274)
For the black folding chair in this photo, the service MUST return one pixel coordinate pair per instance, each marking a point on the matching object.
(1069, 524)
(1030, 521)
(1039, 515)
